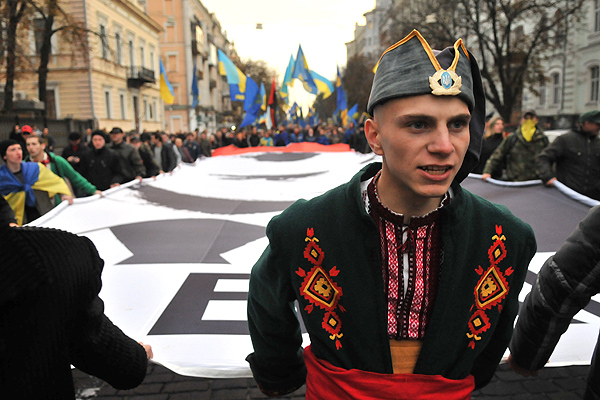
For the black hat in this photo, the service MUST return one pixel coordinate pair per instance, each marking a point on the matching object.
(590, 116)
(74, 136)
(412, 68)
(116, 129)
(4, 145)
(99, 133)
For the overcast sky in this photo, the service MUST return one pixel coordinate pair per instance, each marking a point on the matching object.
(322, 27)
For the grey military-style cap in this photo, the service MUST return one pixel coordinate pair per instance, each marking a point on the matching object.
(412, 68)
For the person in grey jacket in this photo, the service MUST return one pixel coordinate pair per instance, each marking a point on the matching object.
(576, 157)
(565, 285)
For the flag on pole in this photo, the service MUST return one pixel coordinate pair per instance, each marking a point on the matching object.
(166, 90)
(302, 73)
(342, 104)
(252, 102)
(353, 113)
(235, 78)
(287, 80)
(324, 85)
(195, 91)
(272, 104)
(263, 97)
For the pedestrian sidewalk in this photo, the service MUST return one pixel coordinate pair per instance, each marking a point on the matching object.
(561, 383)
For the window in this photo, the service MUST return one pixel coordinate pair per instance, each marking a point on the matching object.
(155, 106)
(131, 53)
(122, 105)
(104, 41)
(543, 94)
(108, 103)
(172, 62)
(38, 30)
(142, 55)
(594, 83)
(150, 112)
(555, 78)
(118, 49)
(145, 105)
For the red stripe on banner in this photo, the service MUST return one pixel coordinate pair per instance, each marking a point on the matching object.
(290, 148)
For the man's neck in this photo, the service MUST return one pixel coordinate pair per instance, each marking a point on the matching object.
(40, 157)
(13, 167)
(402, 204)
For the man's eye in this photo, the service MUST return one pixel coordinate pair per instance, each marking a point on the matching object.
(418, 125)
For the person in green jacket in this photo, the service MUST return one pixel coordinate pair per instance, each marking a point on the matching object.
(36, 147)
(517, 152)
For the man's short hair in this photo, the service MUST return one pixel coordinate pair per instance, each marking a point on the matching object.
(145, 137)
(73, 136)
(5, 144)
(157, 136)
(40, 139)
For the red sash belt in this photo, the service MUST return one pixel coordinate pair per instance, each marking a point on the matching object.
(328, 382)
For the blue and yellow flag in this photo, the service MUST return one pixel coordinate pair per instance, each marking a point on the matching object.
(252, 102)
(342, 104)
(166, 90)
(195, 91)
(353, 113)
(323, 84)
(302, 72)
(263, 97)
(235, 78)
(287, 80)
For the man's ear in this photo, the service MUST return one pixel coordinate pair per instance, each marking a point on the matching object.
(372, 135)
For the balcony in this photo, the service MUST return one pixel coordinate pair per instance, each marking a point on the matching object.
(138, 76)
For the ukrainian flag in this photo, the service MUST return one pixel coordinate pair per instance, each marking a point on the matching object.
(342, 104)
(302, 72)
(235, 78)
(323, 84)
(166, 90)
(287, 80)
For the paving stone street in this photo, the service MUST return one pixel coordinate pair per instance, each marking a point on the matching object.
(559, 383)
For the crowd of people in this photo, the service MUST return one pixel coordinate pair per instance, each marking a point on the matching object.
(526, 154)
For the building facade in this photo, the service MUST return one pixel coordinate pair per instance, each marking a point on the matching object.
(188, 45)
(572, 82)
(116, 82)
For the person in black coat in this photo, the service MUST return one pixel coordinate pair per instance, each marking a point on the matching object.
(565, 285)
(51, 318)
(102, 166)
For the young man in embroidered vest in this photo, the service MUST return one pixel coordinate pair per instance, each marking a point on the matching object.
(407, 284)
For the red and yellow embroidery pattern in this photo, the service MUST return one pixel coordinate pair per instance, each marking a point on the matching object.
(319, 289)
(490, 290)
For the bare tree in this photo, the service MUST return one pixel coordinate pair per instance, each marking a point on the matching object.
(357, 79)
(12, 13)
(49, 13)
(511, 39)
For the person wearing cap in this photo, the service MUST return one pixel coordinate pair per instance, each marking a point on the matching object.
(516, 154)
(574, 158)
(132, 166)
(75, 151)
(102, 168)
(19, 136)
(36, 146)
(407, 283)
(565, 284)
(27, 186)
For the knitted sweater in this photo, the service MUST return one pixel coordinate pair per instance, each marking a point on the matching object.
(51, 317)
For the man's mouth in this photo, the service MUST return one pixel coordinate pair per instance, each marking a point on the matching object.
(435, 170)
